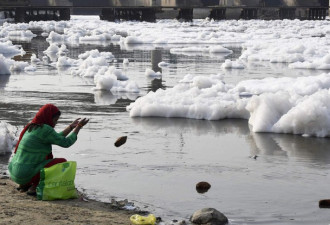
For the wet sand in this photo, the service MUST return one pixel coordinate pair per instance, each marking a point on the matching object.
(19, 208)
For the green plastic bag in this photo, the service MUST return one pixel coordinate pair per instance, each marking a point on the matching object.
(57, 182)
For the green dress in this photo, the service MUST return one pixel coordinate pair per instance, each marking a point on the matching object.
(31, 153)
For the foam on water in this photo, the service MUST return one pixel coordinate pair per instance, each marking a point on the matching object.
(9, 50)
(278, 105)
(4, 66)
(281, 105)
(8, 137)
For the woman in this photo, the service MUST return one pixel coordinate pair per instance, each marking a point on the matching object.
(34, 148)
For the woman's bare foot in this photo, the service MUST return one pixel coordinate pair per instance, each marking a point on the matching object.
(23, 187)
(32, 190)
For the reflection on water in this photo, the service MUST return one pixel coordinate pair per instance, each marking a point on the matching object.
(4, 162)
(315, 150)
(305, 149)
(198, 127)
(156, 58)
(4, 79)
(107, 98)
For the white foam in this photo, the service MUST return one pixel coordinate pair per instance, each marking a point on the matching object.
(21, 35)
(8, 137)
(9, 50)
(150, 73)
(228, 64)
(310, 116)
(4, 67)
(282, 105)
(64, 61)
(62, 51)
(95, 64)
(54, 37)
(125, 62)
(53, 48)
(105, 82)
(163, 64)
(126, 86)
(95, 53)
(34, 59)
(18, 66)
(212, 50)
(30, 68)
(117, 72)
(8, 65)
(44, 34)
(303, 44)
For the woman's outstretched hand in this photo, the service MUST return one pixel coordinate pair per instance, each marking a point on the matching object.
(80, 124)
(74, 123)
(83, 122)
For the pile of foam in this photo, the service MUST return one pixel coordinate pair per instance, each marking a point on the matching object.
(282, 105)
(301, 44)
(95, 65)
(8, 137)
(8, 50)
(8, 65)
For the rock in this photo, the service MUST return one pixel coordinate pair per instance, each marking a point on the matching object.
(209, 216)
(174, 222)
(120, 141)
(158, 219)
(202, 187)
(122, 203)
(4, 177)
(325, 203)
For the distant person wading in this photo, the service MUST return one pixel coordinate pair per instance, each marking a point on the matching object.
(34, 147)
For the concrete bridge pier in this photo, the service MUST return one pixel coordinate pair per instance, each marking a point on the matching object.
(41, 14)
(249, 13)
(143, 14)
(107, 14)
(20, 15)
(287, 13)
(186, 14)
(317, 13)
(23, 14)
(148, 14)
(8, 13)
(218, 14)
(65, 14)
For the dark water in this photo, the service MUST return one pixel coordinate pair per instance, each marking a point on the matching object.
(164, 158)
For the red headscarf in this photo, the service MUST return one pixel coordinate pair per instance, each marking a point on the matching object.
(43, 116)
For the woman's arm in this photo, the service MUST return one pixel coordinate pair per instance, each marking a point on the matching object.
(70, 128)
(80, 125)
(53, 137)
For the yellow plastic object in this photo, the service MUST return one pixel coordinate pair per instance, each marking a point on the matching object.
(143, 220)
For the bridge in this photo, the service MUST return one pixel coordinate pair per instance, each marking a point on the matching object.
(150, 10)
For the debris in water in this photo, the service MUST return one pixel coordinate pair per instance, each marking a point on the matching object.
(120, 141)
(254, 157)
(325, 203)
(202, 187)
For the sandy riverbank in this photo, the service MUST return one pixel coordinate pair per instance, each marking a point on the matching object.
(19, 208)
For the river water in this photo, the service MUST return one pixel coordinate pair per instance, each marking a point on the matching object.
(163, 159)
